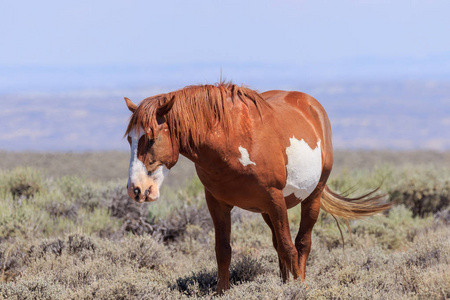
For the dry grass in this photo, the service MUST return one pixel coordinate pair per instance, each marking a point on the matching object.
(92, 166)
(112, 165)
(71, 238)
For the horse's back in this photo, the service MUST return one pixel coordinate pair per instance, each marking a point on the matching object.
(298, 100)
(300, 106)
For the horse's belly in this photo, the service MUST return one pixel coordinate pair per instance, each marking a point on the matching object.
(304, 169)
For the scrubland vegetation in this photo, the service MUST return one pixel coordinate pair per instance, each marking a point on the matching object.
(72, 233)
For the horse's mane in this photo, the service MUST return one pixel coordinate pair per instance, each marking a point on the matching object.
(196, 109)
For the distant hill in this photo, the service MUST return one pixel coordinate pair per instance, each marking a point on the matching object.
(259, 75)
(367, 115)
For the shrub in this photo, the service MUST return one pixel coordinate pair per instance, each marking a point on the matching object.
(11, 262)
(146, 253)
(388, 231)
(23, 182)
(57, 210)
(443, 216)
(204, 282)
(55, 247)
(40, 288)
(71, 187)
(133, 215)
(90, 198)
(245, 268)
(77, 243)
(174, 226)
(425, 195)
(121, 206)
(15, 220)
(197, 284)
(422, 189)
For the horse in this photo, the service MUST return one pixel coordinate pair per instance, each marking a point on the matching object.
(263, 152)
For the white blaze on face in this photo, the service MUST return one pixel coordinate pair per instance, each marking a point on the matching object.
(303, 169)
(245, 157)
(137, 172)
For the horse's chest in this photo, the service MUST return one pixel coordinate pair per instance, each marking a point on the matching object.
(304, 168)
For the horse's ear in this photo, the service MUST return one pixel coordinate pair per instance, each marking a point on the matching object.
(131, 106)
(166, 107)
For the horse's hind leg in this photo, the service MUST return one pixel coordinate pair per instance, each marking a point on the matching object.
(287, 252)
(221, 216)
(284, 272)
(310, 213)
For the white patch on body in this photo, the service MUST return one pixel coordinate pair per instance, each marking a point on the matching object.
(303, 169)
(245, 157)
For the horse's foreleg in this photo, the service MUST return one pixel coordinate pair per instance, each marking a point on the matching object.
(285, 248)
(310, 213)
(284, 272)
(221, 216)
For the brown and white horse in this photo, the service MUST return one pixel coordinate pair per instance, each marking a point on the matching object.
(263, 152)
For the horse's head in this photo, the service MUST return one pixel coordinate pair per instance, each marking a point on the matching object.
(154, 150)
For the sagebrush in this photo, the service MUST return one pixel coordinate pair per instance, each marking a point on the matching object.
(73, 238)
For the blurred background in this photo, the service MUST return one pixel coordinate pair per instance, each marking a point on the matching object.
(380, 68)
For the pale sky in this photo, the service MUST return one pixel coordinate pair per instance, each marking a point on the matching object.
(48, 32)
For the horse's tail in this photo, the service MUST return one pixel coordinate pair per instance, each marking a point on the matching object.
(352, 208)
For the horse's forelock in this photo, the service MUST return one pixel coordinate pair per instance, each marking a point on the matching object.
(144, 116)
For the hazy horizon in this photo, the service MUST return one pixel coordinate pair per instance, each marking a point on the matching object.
(363, 116)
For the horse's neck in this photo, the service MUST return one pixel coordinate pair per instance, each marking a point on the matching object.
(200, 155)
(216, 145)
(191, 155)
(209, 155)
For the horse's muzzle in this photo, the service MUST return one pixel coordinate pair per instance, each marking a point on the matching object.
(135, 193)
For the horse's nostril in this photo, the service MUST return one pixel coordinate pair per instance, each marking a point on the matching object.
(137, 191)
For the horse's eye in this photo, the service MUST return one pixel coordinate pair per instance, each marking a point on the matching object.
(152, 167)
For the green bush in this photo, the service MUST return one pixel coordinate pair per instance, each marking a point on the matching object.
(424, 190)
(17, 220)
(23, 182)
(423, 196)
(50, 213)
